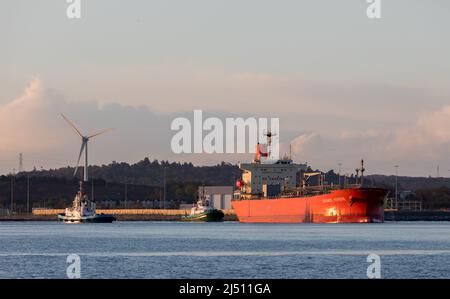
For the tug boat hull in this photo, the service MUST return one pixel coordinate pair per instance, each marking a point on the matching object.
(97, 218)
(207, 216)
(356, 205)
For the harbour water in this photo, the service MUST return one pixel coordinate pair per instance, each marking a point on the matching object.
(224, 250)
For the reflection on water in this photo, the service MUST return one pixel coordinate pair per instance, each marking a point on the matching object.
(224, 250)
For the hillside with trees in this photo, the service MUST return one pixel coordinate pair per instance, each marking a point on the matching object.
(141, 185)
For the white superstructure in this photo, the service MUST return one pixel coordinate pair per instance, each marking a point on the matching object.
(81, 207)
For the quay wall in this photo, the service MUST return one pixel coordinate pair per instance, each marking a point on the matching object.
(163, 212)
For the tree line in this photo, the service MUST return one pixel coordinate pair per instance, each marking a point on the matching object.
(144, 181)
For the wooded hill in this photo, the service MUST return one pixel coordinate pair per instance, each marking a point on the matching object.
(143, 181)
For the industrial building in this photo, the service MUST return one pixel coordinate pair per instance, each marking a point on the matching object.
(219, 196)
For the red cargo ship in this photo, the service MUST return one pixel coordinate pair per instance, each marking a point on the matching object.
(279, 191)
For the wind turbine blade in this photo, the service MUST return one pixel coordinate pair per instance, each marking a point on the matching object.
(101, 132)
(72, 125)
(79, 157)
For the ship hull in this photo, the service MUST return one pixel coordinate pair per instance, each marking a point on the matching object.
(358, 205)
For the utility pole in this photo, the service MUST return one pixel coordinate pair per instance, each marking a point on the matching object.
(396, 185)
(339, 173)
(28, 193)
(12, 190)
(20, 162)
(290, 151)
(164, 190)
(126, 191)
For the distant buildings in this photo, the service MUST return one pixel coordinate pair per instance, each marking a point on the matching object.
(219, 196)
(405, 202)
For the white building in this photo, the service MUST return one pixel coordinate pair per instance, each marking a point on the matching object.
(219, 196)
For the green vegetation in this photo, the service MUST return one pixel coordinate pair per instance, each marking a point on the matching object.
(433, 198)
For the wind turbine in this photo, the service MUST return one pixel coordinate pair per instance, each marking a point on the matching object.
(84, 147)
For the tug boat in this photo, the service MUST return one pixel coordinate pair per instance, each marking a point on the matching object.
(83, 210)
(203, 211)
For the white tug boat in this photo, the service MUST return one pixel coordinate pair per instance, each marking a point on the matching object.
(83, 209)
(203, 211)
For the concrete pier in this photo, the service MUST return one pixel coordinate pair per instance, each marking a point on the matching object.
(416, 216)
(175, 215)
(133, 214)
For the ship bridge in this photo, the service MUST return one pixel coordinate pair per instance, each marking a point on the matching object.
(270, 179)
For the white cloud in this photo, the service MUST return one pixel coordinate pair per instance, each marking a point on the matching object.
(429, 138)
(305, 141)
(418, 148)
(31, 124)
(24, 122)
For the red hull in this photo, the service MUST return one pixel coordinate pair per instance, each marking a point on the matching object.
(338, 206)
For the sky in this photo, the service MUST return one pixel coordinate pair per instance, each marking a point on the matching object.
(344, 86)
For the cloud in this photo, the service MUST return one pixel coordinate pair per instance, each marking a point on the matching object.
(436, 124)
(418, 148)
(169, 88)
(24, 122)
(429, 138)
(305, 141)
(31, 124)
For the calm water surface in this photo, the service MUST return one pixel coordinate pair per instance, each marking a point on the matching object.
(224, 250)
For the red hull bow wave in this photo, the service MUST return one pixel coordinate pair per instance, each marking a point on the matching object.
(360, 205)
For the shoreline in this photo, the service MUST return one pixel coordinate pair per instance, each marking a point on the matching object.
(23, 218)
(388, 216)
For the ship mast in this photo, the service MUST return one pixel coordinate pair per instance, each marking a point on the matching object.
(358, 170)
(269, 136)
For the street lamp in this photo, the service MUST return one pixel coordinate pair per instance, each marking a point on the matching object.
(339, 171)
(164, 194)
(396, 184)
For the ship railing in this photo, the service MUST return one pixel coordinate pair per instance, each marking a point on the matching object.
(301, 192)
